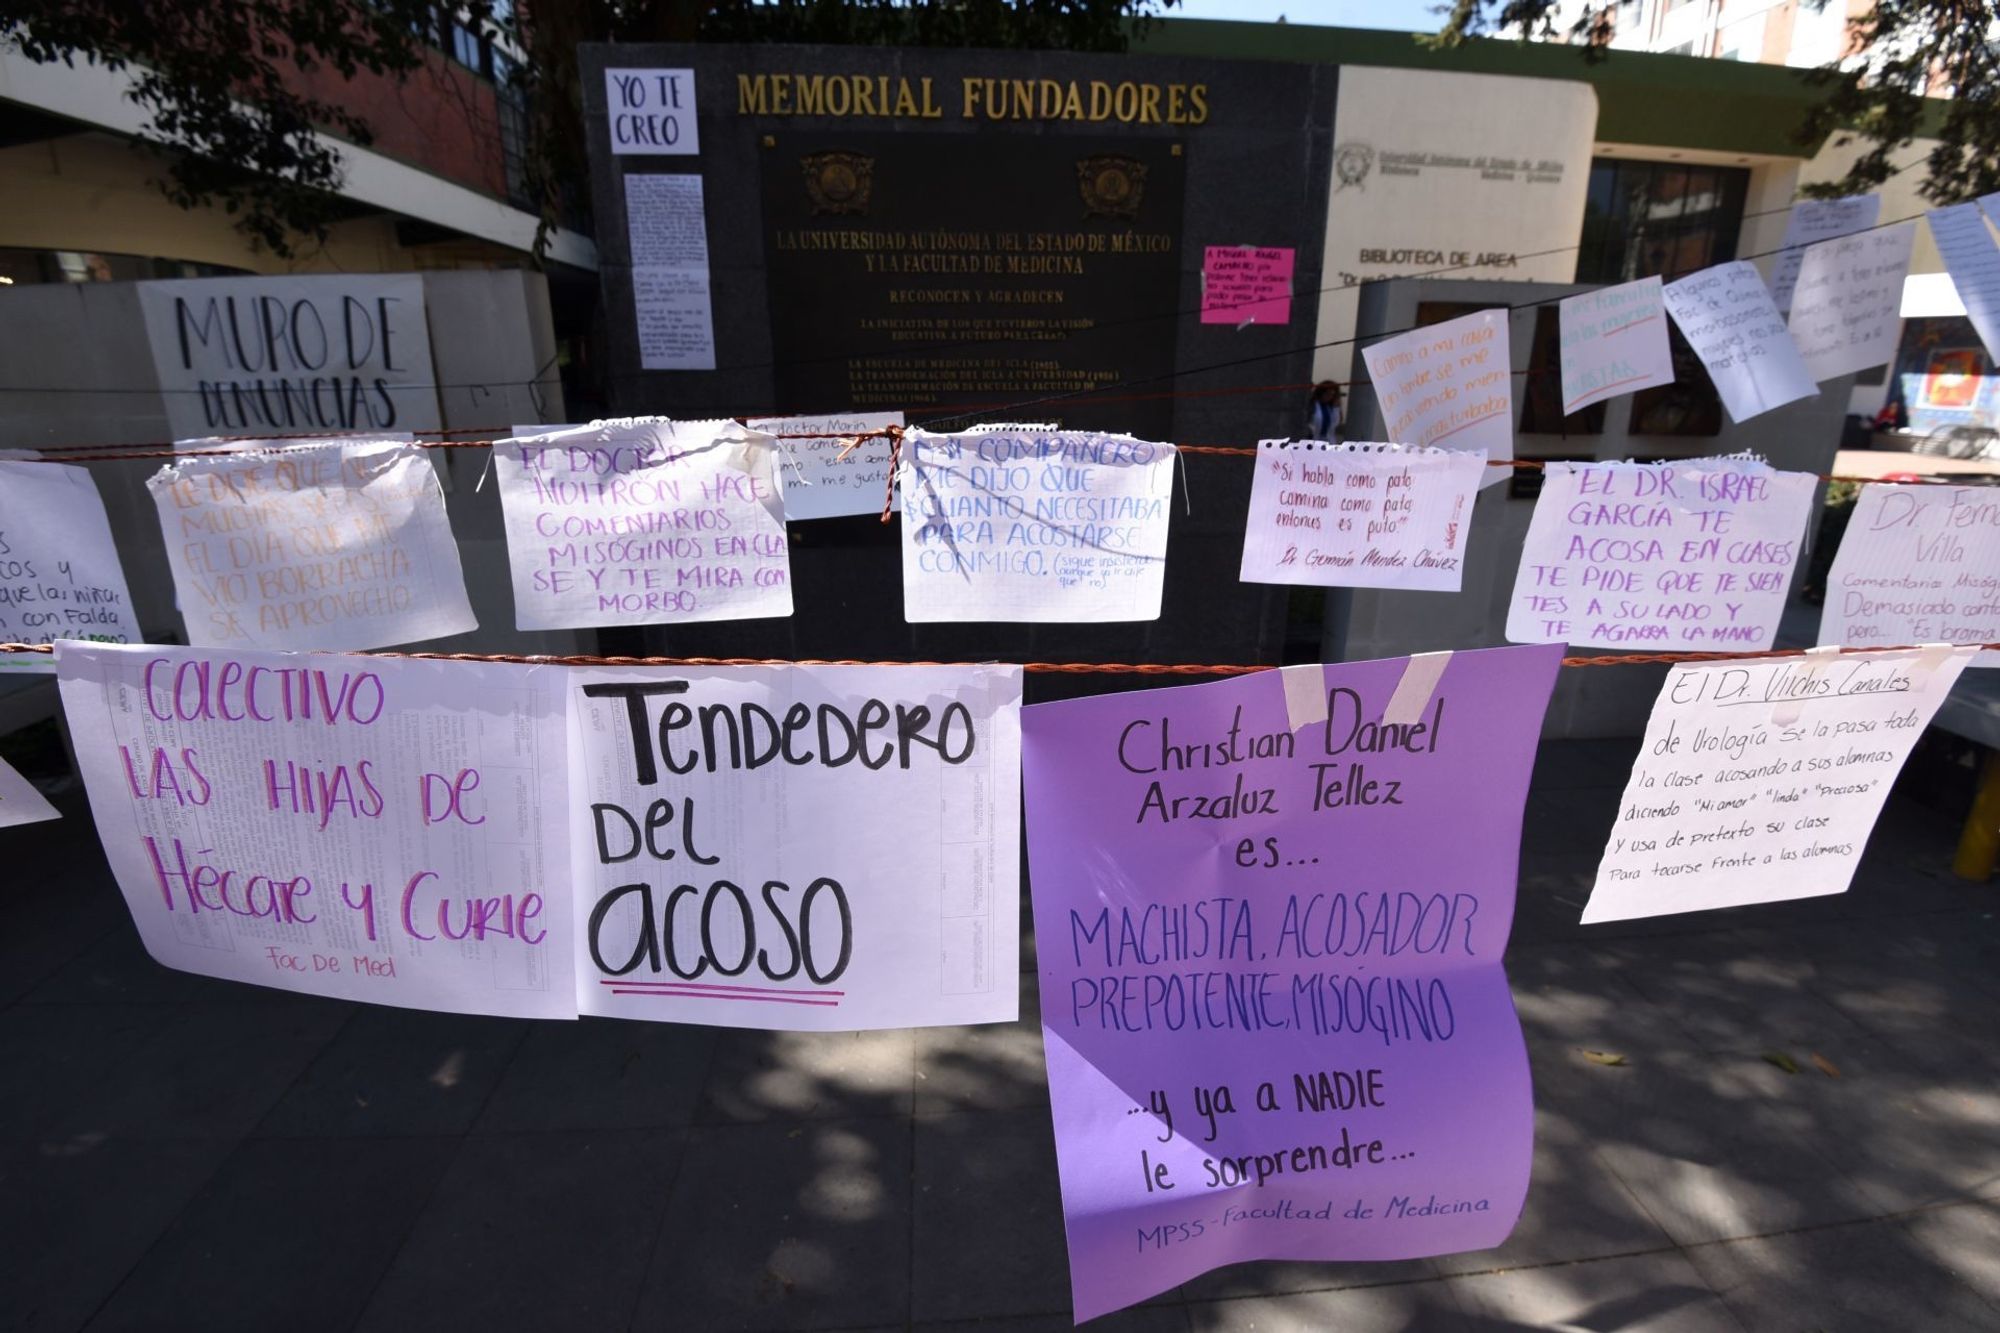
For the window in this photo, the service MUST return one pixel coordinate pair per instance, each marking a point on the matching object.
(1541, 393)
(1818, 38)
(1665, 219)
(31, 266)
(1437, 312)
(513, 109)
(467, 48)
(1688, 406)
(476, 42)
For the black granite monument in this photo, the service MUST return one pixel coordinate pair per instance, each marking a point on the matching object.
(968, 236)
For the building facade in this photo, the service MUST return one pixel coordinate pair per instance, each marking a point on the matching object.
(1683, 162)
(1399, 184)
(1787, 32)
(440, 188)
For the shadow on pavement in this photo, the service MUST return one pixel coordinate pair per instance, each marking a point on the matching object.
(1766, 1118)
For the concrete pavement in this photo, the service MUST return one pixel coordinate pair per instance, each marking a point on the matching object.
(1783, 1117)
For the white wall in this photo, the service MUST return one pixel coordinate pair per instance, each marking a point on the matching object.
(1456, 212)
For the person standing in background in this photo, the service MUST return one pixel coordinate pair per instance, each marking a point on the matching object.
(1323, 413)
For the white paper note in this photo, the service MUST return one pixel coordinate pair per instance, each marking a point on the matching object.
(812, 848)
(1692, 556)
(367, 828)
(1814, 220)
(1614, 341)
(670, 288)
(59, 571)
(1360, 515)
(1448, 384)
(651, 111)
(1847, 313)
(20, 803)
(1972, 257)
(643, 525)
(1727, 316)
(817, 481)
(1760, 780)
(312, 547)
(292, 355)
(1061, 526)
(521, 431)
(1917, 564)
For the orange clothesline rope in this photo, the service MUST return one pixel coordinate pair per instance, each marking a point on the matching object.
(116, 453)
(1042, 668)
(894, 434)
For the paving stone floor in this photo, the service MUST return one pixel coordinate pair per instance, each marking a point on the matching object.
(177, 1153)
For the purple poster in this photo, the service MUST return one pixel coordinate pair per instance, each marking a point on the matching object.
(1269, 915)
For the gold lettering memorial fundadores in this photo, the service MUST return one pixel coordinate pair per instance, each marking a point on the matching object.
(887, 96)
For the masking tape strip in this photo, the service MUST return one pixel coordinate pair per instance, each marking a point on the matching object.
(744, 451)
(1931, 656)
(1414, 690)
(1305, 693)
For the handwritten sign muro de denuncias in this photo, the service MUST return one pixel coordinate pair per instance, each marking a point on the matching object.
(292, 354)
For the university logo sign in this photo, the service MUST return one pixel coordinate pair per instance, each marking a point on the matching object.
(838, 183)
(1351, 164)
(1112, 186)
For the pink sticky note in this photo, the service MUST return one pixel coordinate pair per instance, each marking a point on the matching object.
(1246, 284)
